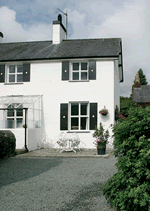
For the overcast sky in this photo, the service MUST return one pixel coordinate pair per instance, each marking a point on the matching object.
(28, 20)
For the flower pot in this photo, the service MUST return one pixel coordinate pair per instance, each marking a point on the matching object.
(101, 151)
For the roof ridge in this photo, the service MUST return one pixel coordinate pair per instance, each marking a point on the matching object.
(26, 42)
(62, 40)
(92, 39)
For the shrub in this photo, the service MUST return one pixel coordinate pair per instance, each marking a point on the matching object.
(129, 188)
(7, 144)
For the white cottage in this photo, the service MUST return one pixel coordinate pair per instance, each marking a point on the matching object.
(59, 86)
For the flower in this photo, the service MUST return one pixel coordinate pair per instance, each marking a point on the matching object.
(102, 137)
(122, 117)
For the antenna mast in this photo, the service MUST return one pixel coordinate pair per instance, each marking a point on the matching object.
(66, 20)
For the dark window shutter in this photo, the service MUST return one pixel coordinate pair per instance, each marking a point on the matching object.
(65, 71)
(2, 73)
(26, 72)
(93, 116)
(92, 70)
(64, 116)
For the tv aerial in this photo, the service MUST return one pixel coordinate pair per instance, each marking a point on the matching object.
(66, 14)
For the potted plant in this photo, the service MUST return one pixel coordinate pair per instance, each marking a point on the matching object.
(104, 111)
(101, 139)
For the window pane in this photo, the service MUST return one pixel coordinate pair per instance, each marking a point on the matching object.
(75, 66)
(19, 68)
(84, 76)
(19, 77)
(83, 123)
(12, 69)
(84, 108)
(74, 109)
(75, 76)
(83, 66)
(11, 78)
(19, 122)
(74, 123)
(19, 105)
(10, 123)
(20, 112)
(10, 112)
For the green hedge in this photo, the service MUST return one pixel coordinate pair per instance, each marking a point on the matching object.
(7, 144)
(129, 188)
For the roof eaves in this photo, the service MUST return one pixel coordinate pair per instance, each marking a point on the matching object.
(58, 58)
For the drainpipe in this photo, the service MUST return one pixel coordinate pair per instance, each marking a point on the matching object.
(26, 130)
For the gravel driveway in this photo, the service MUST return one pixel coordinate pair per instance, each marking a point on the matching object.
(54, 184)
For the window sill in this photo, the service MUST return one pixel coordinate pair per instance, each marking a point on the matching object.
(13, 83)
(79, 131)
(79, 81)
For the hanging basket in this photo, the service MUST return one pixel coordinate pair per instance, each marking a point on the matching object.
(104, 111)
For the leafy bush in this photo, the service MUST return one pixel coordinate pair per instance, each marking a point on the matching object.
(129, 188)
(7, 144)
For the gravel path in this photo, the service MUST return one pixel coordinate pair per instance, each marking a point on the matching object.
(54, 184)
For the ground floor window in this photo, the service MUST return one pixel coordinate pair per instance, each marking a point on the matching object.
(14, 117)
(79, 116)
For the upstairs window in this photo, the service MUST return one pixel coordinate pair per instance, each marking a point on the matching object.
(79, 71)
(15, 73)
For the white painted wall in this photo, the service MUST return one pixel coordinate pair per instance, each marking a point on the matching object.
(116, 84)
(20, 137)
(46, 80)
(34, 138)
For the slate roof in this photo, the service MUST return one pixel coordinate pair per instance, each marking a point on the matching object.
(142, 94)
(80, 48)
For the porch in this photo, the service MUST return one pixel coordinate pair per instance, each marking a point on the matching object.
(22, 115)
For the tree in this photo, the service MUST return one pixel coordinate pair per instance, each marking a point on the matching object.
(125, 104)
(142, 77)
(143, 80)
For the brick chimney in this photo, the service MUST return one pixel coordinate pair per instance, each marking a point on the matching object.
(137, 81)
(1, 37)
(136, 84)
(59, 31)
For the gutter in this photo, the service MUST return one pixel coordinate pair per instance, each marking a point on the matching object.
(25, 144)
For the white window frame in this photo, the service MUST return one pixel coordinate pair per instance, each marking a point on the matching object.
(79, 71)
(15, 117)
(16, 73)
(79, 116)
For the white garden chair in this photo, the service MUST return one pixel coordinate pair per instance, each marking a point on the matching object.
(75, 141)
(62, 142)
(46, 142)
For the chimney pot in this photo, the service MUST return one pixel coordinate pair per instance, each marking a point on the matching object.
(60, 18)
(1, 37)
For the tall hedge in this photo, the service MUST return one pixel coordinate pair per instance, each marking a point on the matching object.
(7, 144)
(129, 188)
